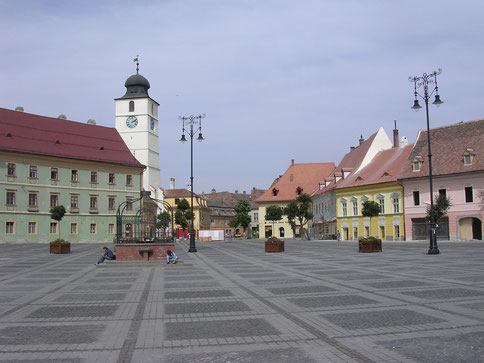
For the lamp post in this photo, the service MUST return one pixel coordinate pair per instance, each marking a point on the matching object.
(190, 122)
(425, 80)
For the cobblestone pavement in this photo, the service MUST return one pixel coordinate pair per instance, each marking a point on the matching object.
(319, 301)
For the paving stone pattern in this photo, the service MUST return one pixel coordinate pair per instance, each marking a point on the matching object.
(319, 301)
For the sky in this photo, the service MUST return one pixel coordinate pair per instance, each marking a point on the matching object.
(277, 79)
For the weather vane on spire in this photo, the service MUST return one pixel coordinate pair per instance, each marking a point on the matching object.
(137, 63)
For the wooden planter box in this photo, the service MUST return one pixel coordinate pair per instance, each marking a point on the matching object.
(369, 246)
(60, 248)
(274, 247)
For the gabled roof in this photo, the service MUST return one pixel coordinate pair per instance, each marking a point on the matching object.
(178, 193)
(304, 176)
(33, 134)
(385, 167)
(448, 144)
(356, 158)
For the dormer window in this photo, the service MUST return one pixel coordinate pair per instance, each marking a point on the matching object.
(417, 163)
(275, 191)
(385, 174)
(299, 190)
(468, 156)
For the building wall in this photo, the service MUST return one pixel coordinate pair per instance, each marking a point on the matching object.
(324, 211)
(391, 222)
(200, 210)
(63, 187)
(455, 191)
(283, 223)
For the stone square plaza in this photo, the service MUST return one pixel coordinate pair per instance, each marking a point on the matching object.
(319, 301)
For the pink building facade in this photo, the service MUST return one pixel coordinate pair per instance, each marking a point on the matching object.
(458, 173)
(465, 216)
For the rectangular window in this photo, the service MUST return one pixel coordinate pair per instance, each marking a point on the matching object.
(467, 160)
(73, 228)
(32, 227)
(396, 205)
(112, 178)
(256, 217)
(11, 169)
(344, 209)
(10, 198)
(92, 228)
(74, 201)
(129, 203)
(92, 202)
(355, 233)
(33, 171)
(416, 197)
(54, 200)
(9, 227)
(32, 199)
(367, 231)
(53, 228)
(54, 173)
(93, 176)
(111, 202)
(416, 165)
(442, 192)
(74, 175)
(355, 208)
(129, 180)
(382, 205)
(396, 231)
(469, 195)
(111, 228)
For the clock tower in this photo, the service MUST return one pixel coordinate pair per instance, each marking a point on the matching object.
(137, 123)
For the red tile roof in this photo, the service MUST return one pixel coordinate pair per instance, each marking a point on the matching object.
(350, 162)
(305, 176)
(448, 145)
(178, 193)
(385, 167)
(34, 134)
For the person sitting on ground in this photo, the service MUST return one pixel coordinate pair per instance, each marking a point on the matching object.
(170, 256)
(108, 255)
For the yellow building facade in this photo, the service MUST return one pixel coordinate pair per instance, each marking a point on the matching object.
(388, 225)
(200, 209)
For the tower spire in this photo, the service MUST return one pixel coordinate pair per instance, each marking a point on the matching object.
(137, 63)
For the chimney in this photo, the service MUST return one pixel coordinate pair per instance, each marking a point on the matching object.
(352, 148)
(213, 191)
(172, 183)
(361, 139)
(292, 161)
(62, 116)
(189, 187)
(19, 109)
(91, 121)
(244, 192)
(395, 136)
(236, 192)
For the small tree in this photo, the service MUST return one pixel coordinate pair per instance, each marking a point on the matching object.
(304, 213)
(370, 209)
(242, 218)
(291, 212)
(181, 220)
(441, 206)
(164, 220)
(57, 213)
(273, 213)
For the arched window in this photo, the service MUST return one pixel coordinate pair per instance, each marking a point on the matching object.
(281, 231)
(131, 106)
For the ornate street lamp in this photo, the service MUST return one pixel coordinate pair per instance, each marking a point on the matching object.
(425, 80)
(190, 122)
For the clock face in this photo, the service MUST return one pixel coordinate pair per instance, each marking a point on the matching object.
(152, 124)
(131, 122)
